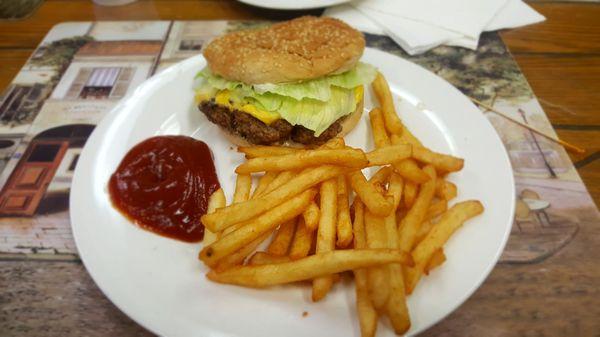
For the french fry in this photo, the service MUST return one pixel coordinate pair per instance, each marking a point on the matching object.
(377, 276)
(382, 90)
(283, 238)
(424, 229)
(409, 170)
(243, 185)
(239, 256)
(380, 136)
(367, 315)
(389, 154)
(410, 193)
(310, 267)
(334, 143)
(257, 151)
(395, 188)
(381, 176)
(360, 236)
(396, 307)
(260, 258)
(216, 200)
(230, 229)
(441, 162)
(445, 190)
(448, 224)
(401, 213)
(376, 202)
(209, 237)
(311, 216)
(325, 235)
(263, 184)
(336, 278)
(344, 224)
(235, 213)
(280, 179)
(436, 208)
(409, 226)
(302, 241)
(408, 138)
(254, 228)
(381, 188)
(347, 157)
(437, 259)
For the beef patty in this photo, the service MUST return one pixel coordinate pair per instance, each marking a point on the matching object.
(257, 132)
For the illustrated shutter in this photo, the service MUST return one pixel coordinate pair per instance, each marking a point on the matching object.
(122, 84)
(79, 83)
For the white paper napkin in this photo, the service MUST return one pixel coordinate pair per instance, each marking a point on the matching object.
(465, 17)
(413, 36)
(355, 18)
(416, 29)
(516, 13)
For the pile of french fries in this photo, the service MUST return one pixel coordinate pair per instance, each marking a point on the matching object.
(391, 235)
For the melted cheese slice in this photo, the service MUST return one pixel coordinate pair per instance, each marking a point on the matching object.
(223, 98)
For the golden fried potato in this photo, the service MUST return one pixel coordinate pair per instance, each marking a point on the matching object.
(310, 267)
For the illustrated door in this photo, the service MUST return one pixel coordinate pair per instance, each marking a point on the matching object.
(29, 180)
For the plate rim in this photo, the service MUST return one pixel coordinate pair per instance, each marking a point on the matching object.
(172, 70)
(285, 5)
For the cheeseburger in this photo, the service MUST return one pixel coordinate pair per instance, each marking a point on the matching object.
(297, 81)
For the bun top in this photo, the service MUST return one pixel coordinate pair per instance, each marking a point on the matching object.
(301, 49)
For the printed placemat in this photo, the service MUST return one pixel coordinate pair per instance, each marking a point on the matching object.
(81, 70)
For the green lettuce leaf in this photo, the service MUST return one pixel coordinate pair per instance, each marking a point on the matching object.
(313, 114)
(319, 89)
(318, 115)
(218, 82)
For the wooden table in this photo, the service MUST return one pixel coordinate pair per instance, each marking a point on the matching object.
(561, 60)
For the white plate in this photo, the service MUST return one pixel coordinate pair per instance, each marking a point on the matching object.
(291, 5)
(160, 283)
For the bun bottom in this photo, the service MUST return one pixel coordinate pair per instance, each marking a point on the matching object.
(348, 124)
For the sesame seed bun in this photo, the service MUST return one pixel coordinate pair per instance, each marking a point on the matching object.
(301, 49)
